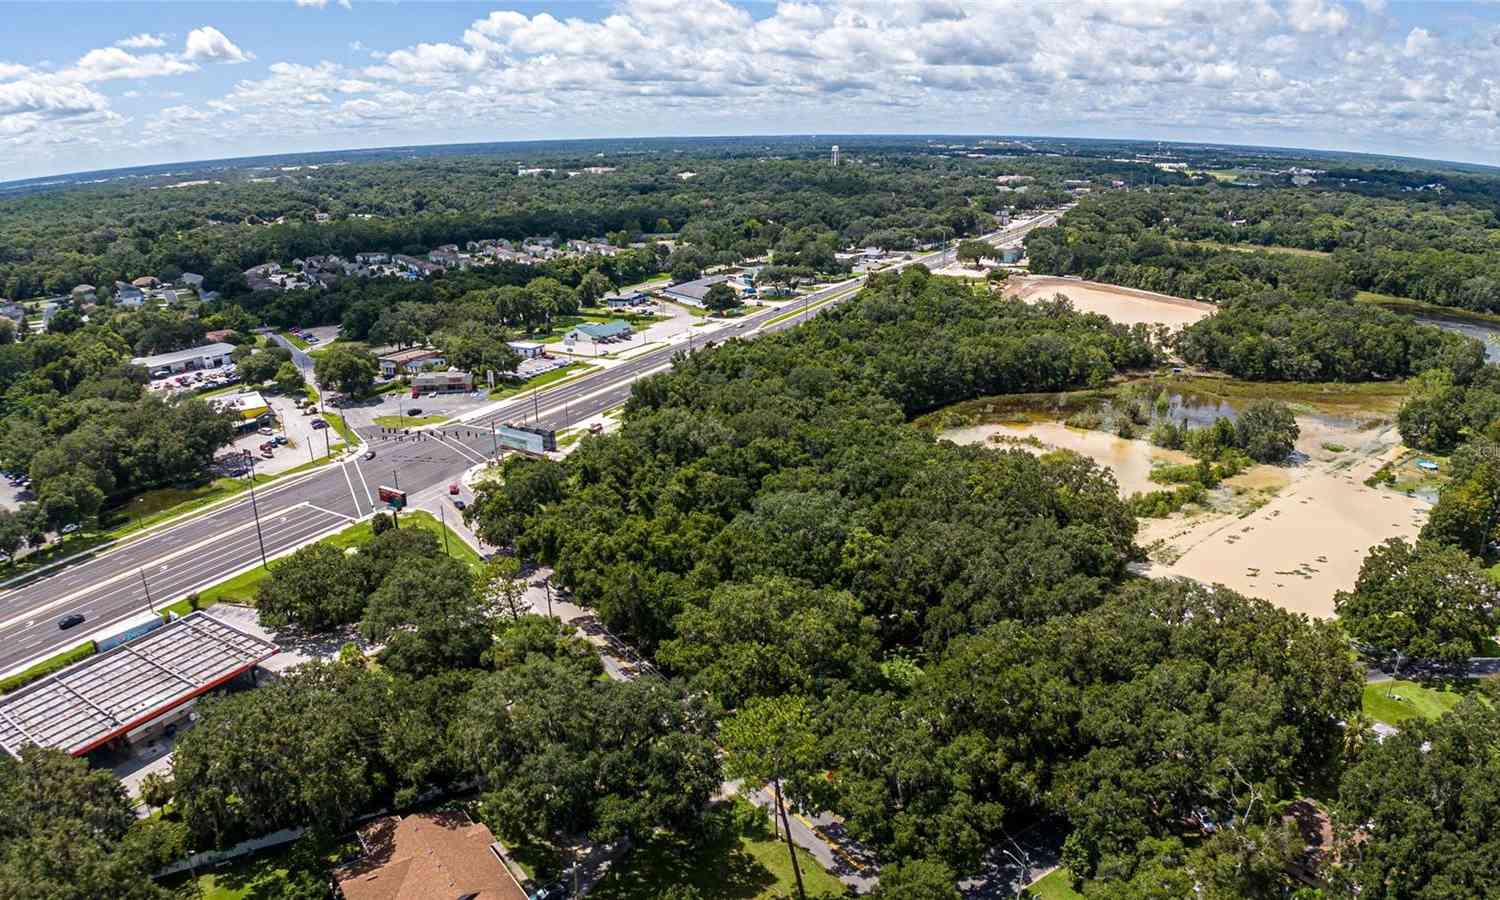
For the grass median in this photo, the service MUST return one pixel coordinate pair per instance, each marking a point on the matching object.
(409, 421)
(546, 379)
(47, 667)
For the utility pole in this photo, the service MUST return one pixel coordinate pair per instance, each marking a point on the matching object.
(443, 521)
(147, 588)
(255, 508)
(494, 442)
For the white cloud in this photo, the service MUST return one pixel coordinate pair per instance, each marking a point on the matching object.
(208, 43)
(1322, 72)
(143, 42)
(110, 63)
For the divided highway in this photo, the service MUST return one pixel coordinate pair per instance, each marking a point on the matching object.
(176, 559)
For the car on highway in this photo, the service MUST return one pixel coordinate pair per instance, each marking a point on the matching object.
(70, 621)
(369, 454)
(68, 528)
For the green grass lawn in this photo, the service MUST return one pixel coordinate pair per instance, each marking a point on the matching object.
(742, 860)
(1053, 886)
(297, 342)
(566, 373)
(290, 871)
(408, 421)
(47, 667)
(1393, 702)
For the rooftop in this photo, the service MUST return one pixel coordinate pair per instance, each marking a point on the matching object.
(402, 357)
(95, 701)
(694, 291)
(430, 856)
(182, 356)
(612, 328)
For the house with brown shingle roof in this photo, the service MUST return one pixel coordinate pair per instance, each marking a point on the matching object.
(428, 856)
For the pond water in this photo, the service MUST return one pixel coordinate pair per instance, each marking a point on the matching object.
(1489, 335)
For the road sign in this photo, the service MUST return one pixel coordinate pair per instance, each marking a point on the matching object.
(530, 440)
(392, 497)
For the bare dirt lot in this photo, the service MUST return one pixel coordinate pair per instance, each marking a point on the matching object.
(1127, 306)
(1292, 534)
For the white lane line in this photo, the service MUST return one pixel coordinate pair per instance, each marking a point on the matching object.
(330, 512)
(465, 449)
(363, 483)
(352, 493)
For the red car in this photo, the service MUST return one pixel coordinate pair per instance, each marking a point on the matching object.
(453, 488)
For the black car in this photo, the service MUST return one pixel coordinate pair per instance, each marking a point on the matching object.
(414, 411)
(458, 503)
(67, 622)
(319, 424)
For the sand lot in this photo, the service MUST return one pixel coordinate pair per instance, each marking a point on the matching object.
(1314, 524)
(1127, 306)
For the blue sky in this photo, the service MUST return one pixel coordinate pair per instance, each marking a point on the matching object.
(93, 85)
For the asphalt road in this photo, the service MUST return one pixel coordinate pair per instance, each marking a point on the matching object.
(175, 560)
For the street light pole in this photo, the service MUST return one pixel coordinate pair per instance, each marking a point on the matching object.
(443, 521)
(255, 509)
(147, 588)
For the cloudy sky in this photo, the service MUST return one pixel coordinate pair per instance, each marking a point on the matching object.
(96, 85)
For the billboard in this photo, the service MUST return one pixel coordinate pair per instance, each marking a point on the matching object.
(529, 440)
(392, 497)
(129, 634)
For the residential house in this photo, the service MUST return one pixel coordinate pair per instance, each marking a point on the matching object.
(127, 294)
(146, 281)
(84, 293)
(440, 855)
(13, 311)
(371, 258)
(191, 279)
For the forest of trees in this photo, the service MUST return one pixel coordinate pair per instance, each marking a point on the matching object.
(1193, 242)
(731, 209)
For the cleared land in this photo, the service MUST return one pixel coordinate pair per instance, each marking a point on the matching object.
(1128, 306)
(1293, 534)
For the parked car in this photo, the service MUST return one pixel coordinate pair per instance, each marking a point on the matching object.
(266, 430)
(68, 528)
(268, 445)
(319, 424)
(279, 439)
(458, 503)
(268, 454)
(414, 411)
(70, 621)
(557, 890)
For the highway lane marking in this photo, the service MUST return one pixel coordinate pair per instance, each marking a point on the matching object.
(133, 572)
(462, 448)
(331, 512)
(361, 473)
(350, 481)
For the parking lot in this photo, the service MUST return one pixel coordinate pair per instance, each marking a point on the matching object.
(299, 441)
(195, 381)
(401, 403)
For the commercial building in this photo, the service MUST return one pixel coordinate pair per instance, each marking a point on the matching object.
(527, 349)
(121, 694)
(209, 356)
(438, 382)
(693, 292)
(428, 855)
(249, 405)
(621, 299)
(406, 361)
(614, 329)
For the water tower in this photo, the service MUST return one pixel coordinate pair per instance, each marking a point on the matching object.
(835, 154)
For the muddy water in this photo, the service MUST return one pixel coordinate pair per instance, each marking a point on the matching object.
(1130, 461)
(1489, 335)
